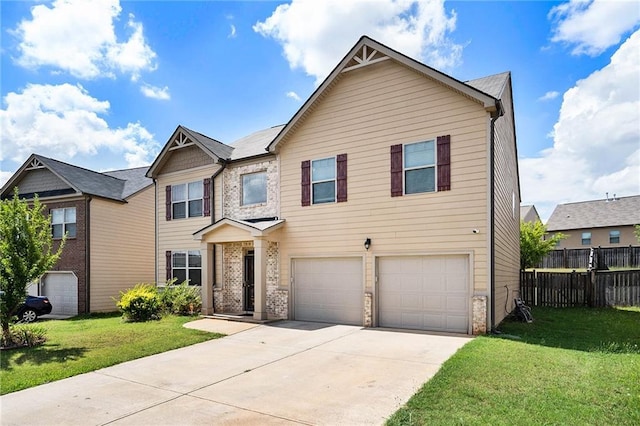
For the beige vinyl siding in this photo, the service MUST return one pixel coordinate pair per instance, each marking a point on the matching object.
(599, 237)
(366, 112)
(177, 234)
(121, 247)
(506, 214)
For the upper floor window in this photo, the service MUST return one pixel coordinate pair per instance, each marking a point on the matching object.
(186, 200)
(186, 265)
(586, 238)
(419, 167)
(63, 221)
(323, 180)
(254, 188)
(614, 237)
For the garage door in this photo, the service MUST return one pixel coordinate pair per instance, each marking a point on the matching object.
(328, 290)
(62, 291)
(424, 293)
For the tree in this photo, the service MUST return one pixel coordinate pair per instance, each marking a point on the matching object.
(26, 252)
(637, 232)
(533, 244)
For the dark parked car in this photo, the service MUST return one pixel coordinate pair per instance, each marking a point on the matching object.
(33, 307)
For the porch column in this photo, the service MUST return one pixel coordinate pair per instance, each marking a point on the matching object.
(206, 253)
(260, 278)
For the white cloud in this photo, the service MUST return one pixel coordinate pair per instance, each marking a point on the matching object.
(293, 95)
(153, 92)
(78, 37)
(594, 26)
(596, 145)
(316, 35)
(63, 121)
(232, 31)
(549, 96)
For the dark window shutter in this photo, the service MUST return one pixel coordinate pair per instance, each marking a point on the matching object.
(206, 186)
(444, 163)
(168, 264)
(306, 183)
(396, 170)
(168, 202)
(341, 165)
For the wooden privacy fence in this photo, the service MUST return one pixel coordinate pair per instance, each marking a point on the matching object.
(566, 289)
(613, 257)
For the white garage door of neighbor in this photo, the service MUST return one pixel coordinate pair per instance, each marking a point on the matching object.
(62, 291)
(328, 290)
(424, 293)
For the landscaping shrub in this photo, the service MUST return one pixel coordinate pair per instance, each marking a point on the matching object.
(141, 303)
(24, 335)
(181, 299)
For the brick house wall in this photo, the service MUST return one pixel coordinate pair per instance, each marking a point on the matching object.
(74, 253)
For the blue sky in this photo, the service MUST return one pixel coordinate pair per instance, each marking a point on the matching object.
(103, 84)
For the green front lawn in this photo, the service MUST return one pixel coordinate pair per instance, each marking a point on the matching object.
(570, 366)
(87, 343)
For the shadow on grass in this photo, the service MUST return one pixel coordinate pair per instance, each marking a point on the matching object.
(606, 330)
(39, 355)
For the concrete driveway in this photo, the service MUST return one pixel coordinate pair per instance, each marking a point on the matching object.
(287, 372)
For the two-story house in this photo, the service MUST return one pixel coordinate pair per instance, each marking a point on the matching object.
(109, 222)
(609, 222)
(391, 198)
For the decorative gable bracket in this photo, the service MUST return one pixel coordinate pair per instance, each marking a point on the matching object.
(362, 58)
(35, 164)
(181, 141)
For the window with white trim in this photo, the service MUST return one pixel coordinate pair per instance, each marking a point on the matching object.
(254, 188)
(187, 265)
(586, 238)
(323, 180)
(186, 200)
(63, 221)
(614, 237)
(419, 166)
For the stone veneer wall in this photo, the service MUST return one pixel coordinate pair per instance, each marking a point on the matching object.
(368, 309)
(232, 190)
(228, 298)
(479, 314)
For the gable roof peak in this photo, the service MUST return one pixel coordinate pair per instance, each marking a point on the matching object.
(360, 56)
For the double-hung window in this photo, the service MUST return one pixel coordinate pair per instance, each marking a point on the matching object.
(419, 167)
(323, 180)
(186, 265)
(63, 221)
(614, 237)
(586, 238)
(186, 200)
(254, 188)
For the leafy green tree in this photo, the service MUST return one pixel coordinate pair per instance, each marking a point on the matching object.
(26, 252)
(637, 232)
(533, 244)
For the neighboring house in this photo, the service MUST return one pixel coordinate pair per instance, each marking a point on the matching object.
(529, 214)
(378, 204)
(598, 223)
(109, 221)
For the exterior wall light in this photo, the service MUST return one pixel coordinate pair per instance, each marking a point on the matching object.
(367, 243)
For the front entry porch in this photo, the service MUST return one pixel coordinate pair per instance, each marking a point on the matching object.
(240, 276)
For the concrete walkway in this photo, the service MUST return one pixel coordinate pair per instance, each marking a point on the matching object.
(286, 372)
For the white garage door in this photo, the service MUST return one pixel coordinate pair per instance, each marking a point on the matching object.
(424, 293)
(62, 290)
(328, 290)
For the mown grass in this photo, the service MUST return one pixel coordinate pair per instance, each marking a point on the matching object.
(569, 367)
(87, 343)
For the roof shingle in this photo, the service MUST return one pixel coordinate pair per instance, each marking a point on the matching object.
(596, 214)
